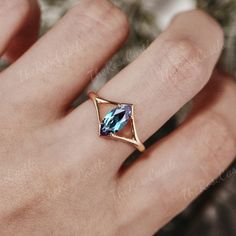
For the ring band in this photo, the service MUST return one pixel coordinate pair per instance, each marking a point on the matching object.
(116, 120)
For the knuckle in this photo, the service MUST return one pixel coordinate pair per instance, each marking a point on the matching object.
(178, 66)
(101, 14)
(184, 52)
(182, 63)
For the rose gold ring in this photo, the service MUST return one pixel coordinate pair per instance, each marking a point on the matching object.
(116, 120)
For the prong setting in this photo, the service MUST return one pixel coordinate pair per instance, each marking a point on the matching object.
(115, 120)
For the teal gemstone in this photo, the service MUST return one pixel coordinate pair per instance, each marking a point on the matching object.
(116, 120)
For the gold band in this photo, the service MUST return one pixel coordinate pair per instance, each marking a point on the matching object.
(135, 141)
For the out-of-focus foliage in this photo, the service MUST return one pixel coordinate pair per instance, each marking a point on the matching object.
(224, 11)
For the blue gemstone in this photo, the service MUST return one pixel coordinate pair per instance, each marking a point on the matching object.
(116, 119)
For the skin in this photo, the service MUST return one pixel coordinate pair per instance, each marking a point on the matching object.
(57, 177)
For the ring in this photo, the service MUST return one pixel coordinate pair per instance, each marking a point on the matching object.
(116, 120)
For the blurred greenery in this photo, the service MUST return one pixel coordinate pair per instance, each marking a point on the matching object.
(224, 11)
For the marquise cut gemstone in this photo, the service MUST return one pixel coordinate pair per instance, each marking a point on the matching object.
(116, 119)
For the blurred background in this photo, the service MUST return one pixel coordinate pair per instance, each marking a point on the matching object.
(214, 212)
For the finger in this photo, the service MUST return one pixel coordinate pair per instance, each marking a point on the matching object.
(177, 170)
(19, 23)
(167, 75)
(59, 65)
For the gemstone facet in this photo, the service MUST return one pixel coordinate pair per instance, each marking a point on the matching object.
(116, 119)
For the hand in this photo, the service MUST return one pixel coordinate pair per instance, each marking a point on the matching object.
(57, 177)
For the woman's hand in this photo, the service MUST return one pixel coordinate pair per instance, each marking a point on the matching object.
(57, 177)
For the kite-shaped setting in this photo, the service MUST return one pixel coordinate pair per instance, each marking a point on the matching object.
(116, 120)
